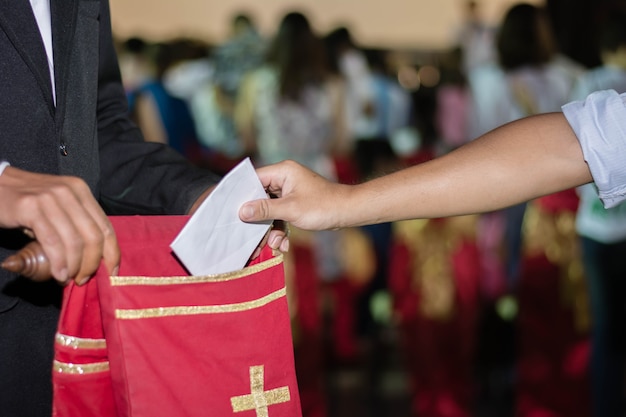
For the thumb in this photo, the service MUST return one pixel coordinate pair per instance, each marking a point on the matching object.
(255, 211)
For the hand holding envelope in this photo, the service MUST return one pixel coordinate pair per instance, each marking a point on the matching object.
(215, 240)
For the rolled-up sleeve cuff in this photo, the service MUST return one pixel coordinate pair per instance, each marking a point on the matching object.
(599, 122)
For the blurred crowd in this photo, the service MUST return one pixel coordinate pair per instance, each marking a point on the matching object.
(512, 313)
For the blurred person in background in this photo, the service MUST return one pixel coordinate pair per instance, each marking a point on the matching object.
(453, 102)
(242, 52)
(523, 82)
(476, 37)
(136, 63)
(392, 104)
(603, 239)
(292, 108)
(528, 79)
(376, 106)
(213, 101)
(161, 116)
(348, 61)
(391, 111)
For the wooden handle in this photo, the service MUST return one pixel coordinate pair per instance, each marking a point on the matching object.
(30, 261)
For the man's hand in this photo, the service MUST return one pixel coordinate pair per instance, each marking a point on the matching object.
(62, 214)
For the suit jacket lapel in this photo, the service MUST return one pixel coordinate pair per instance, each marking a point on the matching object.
(63, 14)
(18, 21)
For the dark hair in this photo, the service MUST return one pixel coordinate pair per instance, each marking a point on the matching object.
(374, 157)
(135, 45)
(335, 43)
(298, 54)
(451, 67)
(242, 18)
(612, 31)
(171, 52)
(524, 37)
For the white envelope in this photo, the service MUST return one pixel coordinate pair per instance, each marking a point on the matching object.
(215, 240)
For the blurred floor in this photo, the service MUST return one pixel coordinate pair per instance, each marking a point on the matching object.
(376, 386)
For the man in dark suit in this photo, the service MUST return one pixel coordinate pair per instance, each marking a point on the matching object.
(74, 155)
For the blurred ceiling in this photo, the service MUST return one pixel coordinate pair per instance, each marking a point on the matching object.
(405, 24)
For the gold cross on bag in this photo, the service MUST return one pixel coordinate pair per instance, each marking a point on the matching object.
(259, 399)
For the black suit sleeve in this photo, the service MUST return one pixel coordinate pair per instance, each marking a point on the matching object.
(137, 177)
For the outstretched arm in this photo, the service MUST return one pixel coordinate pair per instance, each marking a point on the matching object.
(519, 161)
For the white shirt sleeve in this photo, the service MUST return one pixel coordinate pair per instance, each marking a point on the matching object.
(599, 122)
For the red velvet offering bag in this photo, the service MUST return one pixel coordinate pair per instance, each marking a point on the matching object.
(180, 345)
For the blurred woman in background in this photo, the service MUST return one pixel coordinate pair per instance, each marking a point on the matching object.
(292, 108)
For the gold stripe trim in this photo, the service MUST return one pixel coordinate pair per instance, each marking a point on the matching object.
(128, 314)
(79, 369)
(80, 343)
(118, 281)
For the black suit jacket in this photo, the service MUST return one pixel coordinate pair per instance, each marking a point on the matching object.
(86, 134)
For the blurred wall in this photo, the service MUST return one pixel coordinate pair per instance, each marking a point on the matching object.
(428, 24)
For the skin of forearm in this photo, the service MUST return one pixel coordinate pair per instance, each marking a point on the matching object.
(517, 162)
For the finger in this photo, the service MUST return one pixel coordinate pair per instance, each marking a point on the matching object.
(256, 211)
(276, 238)
(265, 239)
(80, 234)
(278, 178)
(106, 249)
(84, 241)
(48, 228)
(39, 213)
(90, 248)
(111, 252)
(279, 240)
(256, 253)
(272, 178)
